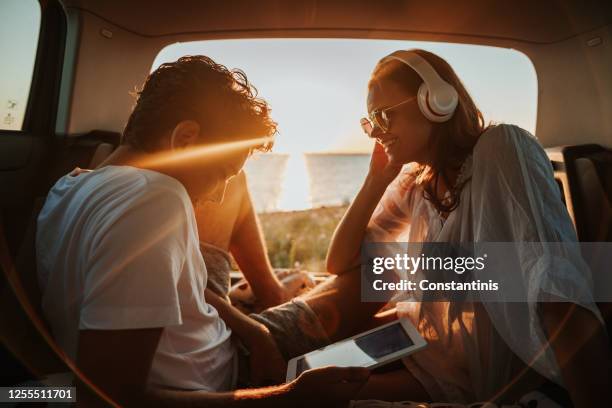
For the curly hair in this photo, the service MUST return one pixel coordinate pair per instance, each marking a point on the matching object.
(222, 101)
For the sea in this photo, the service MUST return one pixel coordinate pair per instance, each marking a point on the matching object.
(289, 182)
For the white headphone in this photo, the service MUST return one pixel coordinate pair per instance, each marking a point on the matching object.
(437, 98)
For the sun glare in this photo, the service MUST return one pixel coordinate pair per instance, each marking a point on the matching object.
(217, 150)
(295, 186)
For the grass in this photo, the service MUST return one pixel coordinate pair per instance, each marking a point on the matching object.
(299, 239)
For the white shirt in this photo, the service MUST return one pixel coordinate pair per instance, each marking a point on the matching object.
(117, 248)
(510, 196)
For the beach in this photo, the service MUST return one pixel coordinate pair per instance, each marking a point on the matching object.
(300, 200)
(300, 238)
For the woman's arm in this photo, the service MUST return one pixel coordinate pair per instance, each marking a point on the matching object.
(343, 253)
(248, 248)
(582, 350)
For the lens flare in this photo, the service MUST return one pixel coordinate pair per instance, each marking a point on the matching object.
(210, 151)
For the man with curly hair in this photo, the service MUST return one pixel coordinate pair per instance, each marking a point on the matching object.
(123, 279)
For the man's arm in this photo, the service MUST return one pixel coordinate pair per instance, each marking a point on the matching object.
(581, 348)
(118, 363)
(248, 247)
(327, 387)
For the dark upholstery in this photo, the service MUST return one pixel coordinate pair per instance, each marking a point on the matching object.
(585, 174)
(29, 343)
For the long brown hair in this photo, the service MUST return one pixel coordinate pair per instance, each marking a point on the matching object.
(451, 142)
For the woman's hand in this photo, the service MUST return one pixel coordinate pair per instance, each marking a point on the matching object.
(381, 171)
(343, 253)
(266, 362)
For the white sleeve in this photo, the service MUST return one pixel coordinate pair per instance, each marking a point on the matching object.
(516, 200)
(130, 276)
(391, 217)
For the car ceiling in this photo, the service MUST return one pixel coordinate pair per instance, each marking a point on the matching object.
(540, 22)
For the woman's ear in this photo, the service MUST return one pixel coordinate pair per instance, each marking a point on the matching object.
(185, 134)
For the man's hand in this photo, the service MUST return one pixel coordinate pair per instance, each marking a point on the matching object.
(266, 363)
(327, 386)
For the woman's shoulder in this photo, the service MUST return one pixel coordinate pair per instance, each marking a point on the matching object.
(498, 139)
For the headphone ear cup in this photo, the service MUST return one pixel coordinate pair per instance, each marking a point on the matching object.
(424, 105)
(422, 96)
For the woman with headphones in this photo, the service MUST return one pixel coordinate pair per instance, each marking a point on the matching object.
(471, 183)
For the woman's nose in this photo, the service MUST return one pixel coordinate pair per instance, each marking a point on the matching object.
(376, 132)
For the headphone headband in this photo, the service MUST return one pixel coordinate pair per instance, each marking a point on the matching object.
(427, 73)
(437, 98)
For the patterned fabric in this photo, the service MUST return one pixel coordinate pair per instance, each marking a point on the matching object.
(218, 263)
(295, 328)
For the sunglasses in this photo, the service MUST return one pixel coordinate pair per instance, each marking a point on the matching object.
(380, 118)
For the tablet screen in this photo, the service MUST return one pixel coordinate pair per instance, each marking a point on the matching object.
(362, 351)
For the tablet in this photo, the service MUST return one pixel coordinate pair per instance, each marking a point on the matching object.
(371, 349)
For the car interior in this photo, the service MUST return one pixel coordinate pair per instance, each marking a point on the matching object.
(91, 53)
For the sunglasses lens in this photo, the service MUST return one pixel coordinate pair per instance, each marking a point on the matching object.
(381, 120)
(385, 118)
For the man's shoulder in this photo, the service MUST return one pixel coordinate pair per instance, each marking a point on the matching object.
(142, 188)
(113, 190)
(155, 182)
(137, 183)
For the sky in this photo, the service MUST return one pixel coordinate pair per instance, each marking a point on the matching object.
(19, 28)
(317, 87)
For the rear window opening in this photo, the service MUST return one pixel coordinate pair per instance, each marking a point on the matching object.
(317, 91)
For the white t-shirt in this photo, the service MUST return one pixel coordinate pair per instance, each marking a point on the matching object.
(117, 248)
